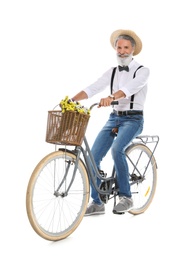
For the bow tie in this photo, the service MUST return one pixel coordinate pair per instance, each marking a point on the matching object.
(123, 68)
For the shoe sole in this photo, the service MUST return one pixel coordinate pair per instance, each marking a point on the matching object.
(94, 213)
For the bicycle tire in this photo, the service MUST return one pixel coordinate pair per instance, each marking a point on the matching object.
(56, 217)
(142, 191)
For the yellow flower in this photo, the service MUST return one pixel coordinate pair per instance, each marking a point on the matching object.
(70, 105)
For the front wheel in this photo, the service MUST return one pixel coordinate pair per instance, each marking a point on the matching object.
(143, 176)
(56, 199)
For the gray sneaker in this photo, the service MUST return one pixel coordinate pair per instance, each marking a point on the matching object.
(125, 204)
(95, 209)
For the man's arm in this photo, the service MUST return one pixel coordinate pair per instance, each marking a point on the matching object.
(80, 96)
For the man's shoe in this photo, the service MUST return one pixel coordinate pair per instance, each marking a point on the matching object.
(95, 209)
(125, 204)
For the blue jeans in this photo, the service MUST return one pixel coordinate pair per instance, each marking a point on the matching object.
(129, 127)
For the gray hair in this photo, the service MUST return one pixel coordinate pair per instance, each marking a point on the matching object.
(126, 37)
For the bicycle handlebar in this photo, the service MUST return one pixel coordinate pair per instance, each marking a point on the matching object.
(96, 104)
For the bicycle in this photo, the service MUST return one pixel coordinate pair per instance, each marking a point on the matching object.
(58, 190)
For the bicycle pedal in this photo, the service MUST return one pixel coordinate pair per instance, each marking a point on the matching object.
(118, 213)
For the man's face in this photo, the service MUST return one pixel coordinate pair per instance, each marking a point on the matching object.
(124, 48)
(124, 51)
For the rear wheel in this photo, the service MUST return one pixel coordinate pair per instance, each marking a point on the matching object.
(56, 200)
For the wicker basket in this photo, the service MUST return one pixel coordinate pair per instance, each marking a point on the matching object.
(66, 128)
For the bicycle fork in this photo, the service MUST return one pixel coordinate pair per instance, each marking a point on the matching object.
(68, 164)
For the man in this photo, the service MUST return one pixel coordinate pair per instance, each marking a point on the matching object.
(129, 87)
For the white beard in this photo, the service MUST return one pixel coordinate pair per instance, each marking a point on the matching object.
(124, 61)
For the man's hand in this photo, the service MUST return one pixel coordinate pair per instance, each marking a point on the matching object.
(105, 102)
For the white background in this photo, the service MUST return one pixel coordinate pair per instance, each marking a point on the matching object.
(45, 49)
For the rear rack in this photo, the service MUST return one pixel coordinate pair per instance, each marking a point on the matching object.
(148, 139)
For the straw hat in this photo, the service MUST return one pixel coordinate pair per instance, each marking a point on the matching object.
(130, 33)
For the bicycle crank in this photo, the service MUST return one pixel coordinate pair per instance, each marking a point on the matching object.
(107, 187)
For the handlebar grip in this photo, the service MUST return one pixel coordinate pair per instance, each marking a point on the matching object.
(114, 103)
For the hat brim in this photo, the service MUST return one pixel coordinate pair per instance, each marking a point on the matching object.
(130, 33)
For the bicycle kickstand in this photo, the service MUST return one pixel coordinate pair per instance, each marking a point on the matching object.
(115, 195)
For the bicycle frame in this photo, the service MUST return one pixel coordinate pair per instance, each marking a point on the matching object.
(93, 171)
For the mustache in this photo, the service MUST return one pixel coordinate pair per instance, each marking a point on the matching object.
(122, 55)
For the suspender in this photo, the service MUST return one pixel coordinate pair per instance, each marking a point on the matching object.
(112, 79)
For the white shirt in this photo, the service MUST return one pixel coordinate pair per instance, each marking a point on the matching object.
(124, 81)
